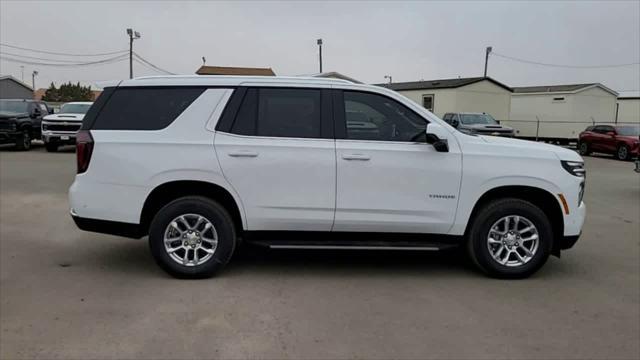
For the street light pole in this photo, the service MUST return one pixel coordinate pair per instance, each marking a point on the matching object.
(33, 80)
(486, 59)
(319, 42)
(132, 36)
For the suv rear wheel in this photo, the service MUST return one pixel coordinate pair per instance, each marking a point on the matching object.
(510, 238)
(192, 237)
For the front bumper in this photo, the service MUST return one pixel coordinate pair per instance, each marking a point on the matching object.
(59, 137)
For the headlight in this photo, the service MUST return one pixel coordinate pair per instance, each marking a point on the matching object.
(574, 168)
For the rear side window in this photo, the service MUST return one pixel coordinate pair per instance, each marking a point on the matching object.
(144, 108)
(273, 112)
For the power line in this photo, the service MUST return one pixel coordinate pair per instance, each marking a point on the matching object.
(99, 62)
(152, 65)
(57, 53)
(39, 58)
(563, 66)
(148, 67)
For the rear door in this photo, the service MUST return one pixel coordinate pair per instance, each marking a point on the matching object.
(388, 179)
(278, 152)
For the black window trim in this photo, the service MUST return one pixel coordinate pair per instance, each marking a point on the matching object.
(340, 116)
(327, 123)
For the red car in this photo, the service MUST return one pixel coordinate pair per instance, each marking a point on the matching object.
(619, 140)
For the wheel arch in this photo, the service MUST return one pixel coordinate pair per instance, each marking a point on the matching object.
(541, 198)
(169, 191)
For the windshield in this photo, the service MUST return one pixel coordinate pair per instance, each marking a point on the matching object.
(74, 108)
(14, 106)
(628, 130)
(473, 119)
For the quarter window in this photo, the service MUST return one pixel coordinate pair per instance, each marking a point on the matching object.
(144, 108)
(375, 117)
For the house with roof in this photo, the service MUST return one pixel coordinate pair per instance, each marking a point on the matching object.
(560, 111)
(478, 94)
(12, 88)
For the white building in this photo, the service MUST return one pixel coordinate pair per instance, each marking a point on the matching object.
(560, 112)
(629, 109)
(458, 95)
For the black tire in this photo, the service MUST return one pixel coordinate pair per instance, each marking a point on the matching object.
(23, 141)
(51, 146)
(477, 246)
(622, 152)
(215, 214)
(584, 149)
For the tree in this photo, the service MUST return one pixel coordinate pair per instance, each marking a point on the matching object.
(68, 92)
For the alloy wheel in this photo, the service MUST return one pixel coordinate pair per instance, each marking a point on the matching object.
(513, 240)
(190, 240)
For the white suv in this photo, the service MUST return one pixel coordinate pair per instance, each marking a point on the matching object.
(200, 162)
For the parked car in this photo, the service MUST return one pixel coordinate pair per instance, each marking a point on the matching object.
(61, 128)
(20, 121)
(199, 162)
(478, 123)
(619, 140)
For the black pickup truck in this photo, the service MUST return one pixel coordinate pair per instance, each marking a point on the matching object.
(20, 121)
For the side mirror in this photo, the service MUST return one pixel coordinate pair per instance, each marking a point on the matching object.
(35, 113)
(455, 123)
(435, 137)
(50, 110)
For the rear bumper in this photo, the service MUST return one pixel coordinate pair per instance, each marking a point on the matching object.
(108, 227)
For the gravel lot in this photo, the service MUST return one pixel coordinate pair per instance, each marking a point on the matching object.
(72, 294)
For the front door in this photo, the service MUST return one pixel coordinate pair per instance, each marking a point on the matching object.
(280, 158)
(388, 179)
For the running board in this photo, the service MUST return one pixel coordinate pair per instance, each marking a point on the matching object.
(354, 245)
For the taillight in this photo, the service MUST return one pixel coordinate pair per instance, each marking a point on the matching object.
(84, 148)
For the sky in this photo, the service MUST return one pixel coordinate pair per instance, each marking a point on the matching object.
(366, 40)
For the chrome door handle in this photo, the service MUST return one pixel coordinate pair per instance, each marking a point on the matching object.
(360, 157)
(243, 154)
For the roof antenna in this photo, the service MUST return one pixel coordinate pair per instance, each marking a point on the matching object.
(204, 61)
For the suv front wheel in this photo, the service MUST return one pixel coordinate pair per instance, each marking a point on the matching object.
(192, 237)
(510, 238)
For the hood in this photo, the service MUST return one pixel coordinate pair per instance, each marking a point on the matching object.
(528, 145)
(9, 114)
(64, 117)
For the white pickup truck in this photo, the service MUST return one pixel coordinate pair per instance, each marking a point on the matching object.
(61, 128)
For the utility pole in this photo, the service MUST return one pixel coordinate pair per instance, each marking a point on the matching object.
(133, 35)
(319, 42)
(33, 81)
(389, 77)
(486, 59)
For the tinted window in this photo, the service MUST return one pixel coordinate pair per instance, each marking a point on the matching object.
(280, 113)
(289, 113)
(144, 108)
(447, 117)
(376, 117)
